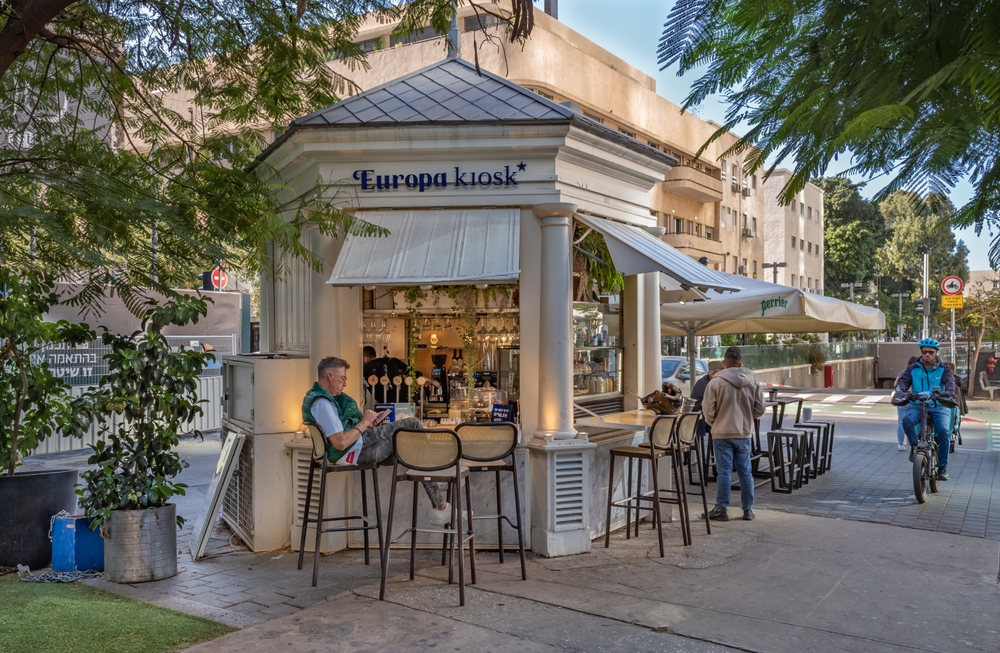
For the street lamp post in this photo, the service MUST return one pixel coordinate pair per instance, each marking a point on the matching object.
(774, 269)
(851, 286)
(899, 326)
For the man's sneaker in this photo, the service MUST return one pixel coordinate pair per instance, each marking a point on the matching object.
(442, 517)
(901, 447)
(943, 474)
(719, 514)
(748, 515)
(913, 450)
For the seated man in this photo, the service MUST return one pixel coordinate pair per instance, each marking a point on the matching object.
(925, 375)
(353, 438)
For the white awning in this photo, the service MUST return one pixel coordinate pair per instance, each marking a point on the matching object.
(433, 247)
(635, 251)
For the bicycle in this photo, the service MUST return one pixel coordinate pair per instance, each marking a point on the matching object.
(925, 455)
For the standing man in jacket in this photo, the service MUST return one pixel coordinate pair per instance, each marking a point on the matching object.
(732, 401)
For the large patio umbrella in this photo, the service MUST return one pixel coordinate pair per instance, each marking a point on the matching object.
(763, 307)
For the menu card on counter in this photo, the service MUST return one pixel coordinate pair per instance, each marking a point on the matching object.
(502, 413)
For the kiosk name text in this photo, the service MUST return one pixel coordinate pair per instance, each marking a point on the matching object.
(425, 180)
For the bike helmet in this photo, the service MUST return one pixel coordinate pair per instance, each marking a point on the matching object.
(930, 342)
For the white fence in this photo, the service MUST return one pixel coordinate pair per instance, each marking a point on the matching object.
(209, 389)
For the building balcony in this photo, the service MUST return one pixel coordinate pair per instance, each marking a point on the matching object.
(695, 246)
(698, 185)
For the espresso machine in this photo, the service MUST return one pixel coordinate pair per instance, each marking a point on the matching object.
(437, 397)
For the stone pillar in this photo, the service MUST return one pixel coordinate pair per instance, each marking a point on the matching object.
(560, 458)
(555, 361)
(651, 348)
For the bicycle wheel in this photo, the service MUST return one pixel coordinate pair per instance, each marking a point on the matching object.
(920, 483)
(932, 465)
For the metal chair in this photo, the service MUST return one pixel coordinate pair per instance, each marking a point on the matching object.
(489, 447)
(320, 462)
(661, 442)
(432, 455)
(690, 443)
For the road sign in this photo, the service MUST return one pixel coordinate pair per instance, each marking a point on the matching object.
(952, 286)
(952, 301)
(219, 279)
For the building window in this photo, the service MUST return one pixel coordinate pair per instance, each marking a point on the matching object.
(817, 249)
(678, 225)
(802, 208)
(755, 227)
(802, 245)
(543, 94)
(809, 213)
(736, 264)
(735, 175)
(697, 230)
(587, 114)
(793, 242)
(753, 182)
(722, 172)
(476, 23)
(723, 216)
(424, 34)
(755, 269)
(793, 206)
(793, 281)
(809, 248)
(709, 233)
(744, 271)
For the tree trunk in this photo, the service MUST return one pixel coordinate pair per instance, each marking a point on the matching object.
(26, 19)
(16, 429)
(975, 359)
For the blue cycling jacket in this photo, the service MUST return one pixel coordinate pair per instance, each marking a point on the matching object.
(921, 378)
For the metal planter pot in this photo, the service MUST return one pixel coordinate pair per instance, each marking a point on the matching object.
(141, 545)
(28, 501)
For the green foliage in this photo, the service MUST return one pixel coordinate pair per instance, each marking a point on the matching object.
(151, 392)
(595, 259)
(34, 404)
(134, 122)
(853, 230)
(816, 360)
(906, 89)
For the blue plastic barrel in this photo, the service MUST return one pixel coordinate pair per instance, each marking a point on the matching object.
(75, 547)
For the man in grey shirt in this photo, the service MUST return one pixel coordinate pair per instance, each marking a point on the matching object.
(733, 400)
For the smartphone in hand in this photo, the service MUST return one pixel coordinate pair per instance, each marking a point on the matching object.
(381, 417)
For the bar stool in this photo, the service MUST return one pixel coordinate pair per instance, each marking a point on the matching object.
(785, 449)
(690, 443)
(432, 455)
(661, 442)
(486, 447)
(320, 462)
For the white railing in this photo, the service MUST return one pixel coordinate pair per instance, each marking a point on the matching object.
(209, 389)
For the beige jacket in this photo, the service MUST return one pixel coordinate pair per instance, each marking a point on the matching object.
(732, 400)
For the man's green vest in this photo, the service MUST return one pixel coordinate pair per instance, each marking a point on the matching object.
(347, 409)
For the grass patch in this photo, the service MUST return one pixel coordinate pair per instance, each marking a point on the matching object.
(75, 618)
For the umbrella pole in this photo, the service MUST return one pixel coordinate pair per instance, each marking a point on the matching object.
(692, 343)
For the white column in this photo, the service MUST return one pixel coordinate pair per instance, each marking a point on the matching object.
(555, 361)
(559, 458)
(651, 369)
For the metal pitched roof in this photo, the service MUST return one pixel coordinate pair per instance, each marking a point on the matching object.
(447, 91)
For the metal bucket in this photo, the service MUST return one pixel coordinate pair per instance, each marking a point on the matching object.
(141, 545)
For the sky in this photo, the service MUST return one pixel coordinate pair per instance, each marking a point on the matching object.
(632, 31)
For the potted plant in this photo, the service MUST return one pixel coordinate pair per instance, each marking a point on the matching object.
(152, 390)
(34, 404)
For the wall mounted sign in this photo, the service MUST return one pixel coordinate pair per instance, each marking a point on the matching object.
(505, 177)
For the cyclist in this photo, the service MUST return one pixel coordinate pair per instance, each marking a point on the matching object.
(924, 376)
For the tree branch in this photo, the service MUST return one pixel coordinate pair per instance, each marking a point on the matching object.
(32, 17)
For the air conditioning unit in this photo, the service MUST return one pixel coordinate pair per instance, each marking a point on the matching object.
(736, 186)
(743, 269)
(747, 190)
(748, 233)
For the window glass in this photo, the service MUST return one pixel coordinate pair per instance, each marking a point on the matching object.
(597, 360)
(668, 367)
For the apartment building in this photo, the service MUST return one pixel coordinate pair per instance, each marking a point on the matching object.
(793, 234)
(709, 209)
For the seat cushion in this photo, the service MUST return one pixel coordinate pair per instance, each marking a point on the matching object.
(479, 466)
(440, 476)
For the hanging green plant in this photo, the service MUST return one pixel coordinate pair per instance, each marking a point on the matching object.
(596, 261)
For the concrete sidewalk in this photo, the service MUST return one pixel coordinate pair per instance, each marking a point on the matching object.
(782, 583)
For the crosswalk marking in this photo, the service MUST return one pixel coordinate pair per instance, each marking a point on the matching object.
(832, 399)
(853, 412)
(872, 399)
(993, 437)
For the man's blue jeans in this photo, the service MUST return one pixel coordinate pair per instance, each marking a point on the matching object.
(726, 452)
(942, 428)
